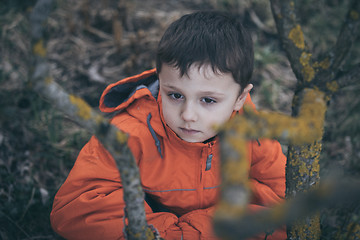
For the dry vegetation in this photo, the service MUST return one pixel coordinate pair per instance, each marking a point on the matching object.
(94, 43)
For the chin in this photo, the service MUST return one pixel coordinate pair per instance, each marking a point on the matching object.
(191, 140)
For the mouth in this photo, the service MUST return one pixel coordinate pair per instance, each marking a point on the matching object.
(189, 131)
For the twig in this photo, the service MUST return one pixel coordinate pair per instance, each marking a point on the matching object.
(28, 204)
(347, 36)
(16, 225)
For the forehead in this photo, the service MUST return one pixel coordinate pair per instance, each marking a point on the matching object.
(202, 76)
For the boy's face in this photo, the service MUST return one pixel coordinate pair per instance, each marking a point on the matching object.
(193, 104)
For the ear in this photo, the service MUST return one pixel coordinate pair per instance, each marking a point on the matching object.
(241, 99)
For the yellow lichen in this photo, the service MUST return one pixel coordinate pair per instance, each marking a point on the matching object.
(302, 230)
(354, 15)
(297, 37)
(99, 119)
(48, 80)
(84, 110)
(332, 86)
(308, 71)
(121, 137)
(39, 49)
(325, 64)
(149, 234)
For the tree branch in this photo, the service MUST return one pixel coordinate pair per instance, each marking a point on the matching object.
(329, 193)
(77, 109)
(305, 128)
(292, 38)
(349, 78)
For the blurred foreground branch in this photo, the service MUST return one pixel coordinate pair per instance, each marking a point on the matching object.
(329, 193)
(78, 110)
(305, 128)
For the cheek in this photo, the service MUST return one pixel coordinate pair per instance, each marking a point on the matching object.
(168, 112)
(220, 117)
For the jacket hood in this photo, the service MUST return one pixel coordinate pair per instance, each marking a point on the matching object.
(118, 96)
(138, 96)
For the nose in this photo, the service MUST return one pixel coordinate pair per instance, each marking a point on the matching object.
(188, 112)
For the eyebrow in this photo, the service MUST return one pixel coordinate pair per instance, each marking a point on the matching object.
(200, 93)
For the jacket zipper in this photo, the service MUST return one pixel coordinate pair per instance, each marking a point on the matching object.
(209, 157)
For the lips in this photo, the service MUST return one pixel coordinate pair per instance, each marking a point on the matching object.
(189, 131)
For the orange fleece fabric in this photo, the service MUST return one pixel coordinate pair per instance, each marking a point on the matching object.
(181, 184)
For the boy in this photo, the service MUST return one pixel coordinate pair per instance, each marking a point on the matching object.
(203, 66)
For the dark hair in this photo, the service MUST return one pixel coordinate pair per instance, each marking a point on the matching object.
(208, 37)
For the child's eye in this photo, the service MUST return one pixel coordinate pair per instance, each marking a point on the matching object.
(208, 100)
(175, 96)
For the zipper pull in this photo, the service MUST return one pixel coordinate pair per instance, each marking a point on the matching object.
(208, 162)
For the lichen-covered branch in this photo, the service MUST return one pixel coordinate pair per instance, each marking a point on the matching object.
(330, 192)
(78, 110)
(292, 39)
(304, 129)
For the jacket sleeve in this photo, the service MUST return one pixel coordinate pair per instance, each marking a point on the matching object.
(200, 223)
(267, 173)
(90, 205)
(267, 179)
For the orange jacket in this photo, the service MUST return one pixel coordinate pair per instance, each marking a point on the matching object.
(180, 179)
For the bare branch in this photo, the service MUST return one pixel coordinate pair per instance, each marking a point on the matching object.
(349, 78)
(348, 34)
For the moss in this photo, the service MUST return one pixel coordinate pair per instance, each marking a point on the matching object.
(297, 37)
(39, 49)
(84, 110)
